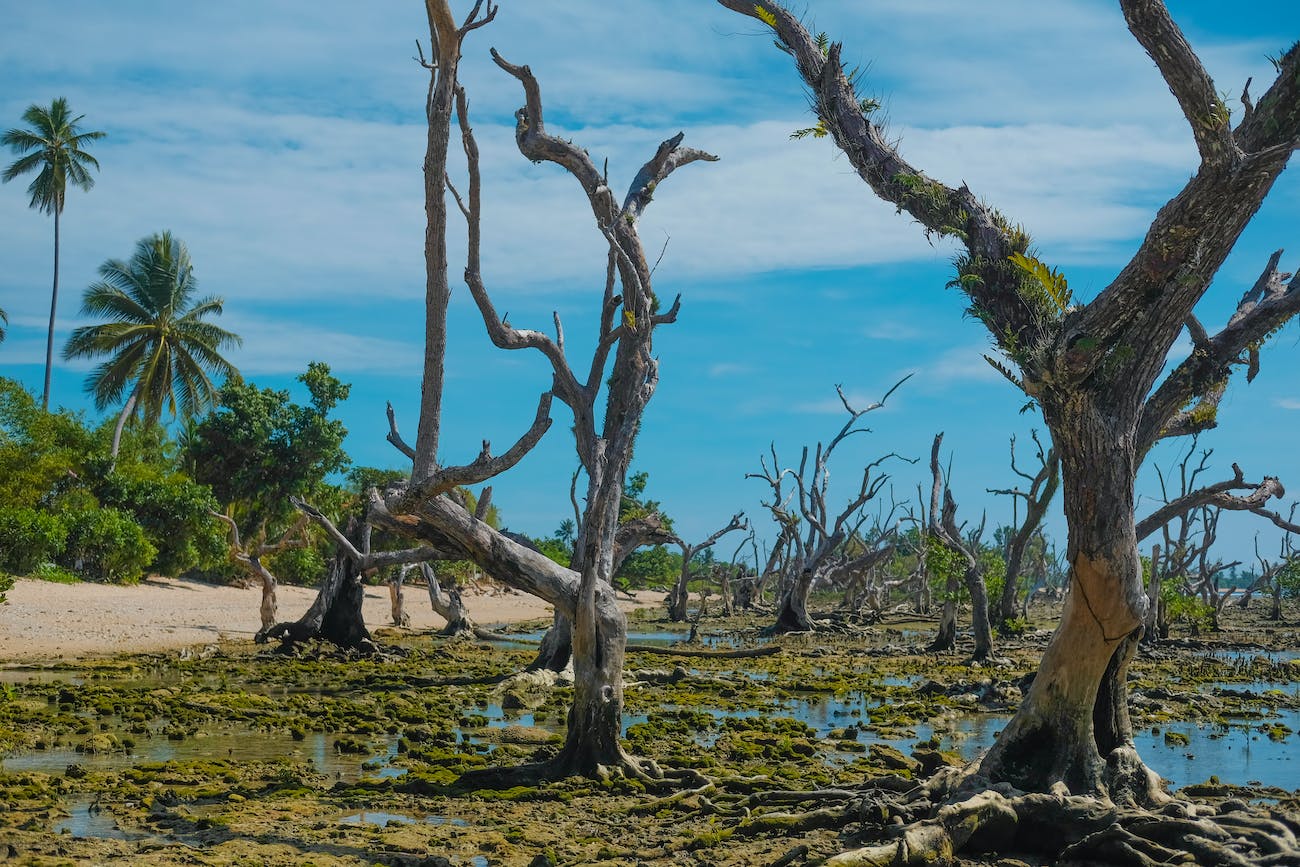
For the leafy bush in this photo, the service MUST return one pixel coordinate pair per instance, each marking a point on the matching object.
(107, 545)
(54, 573)
(6, 581)
(297, 566)
(28, 538)
(175, 514)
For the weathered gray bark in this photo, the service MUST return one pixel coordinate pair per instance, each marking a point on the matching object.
(397, 598)
(448, 604)
(250, 557)
(335, 615)
(1093, 368)
(627, 322)
(445, 42)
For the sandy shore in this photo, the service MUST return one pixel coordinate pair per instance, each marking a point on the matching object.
(44, 621)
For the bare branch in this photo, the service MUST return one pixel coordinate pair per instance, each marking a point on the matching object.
(1264, 308)
(537, 145)
(395, 437)
(939, 208)
(473, 22)
(234, 529)
(1217, 495)
(485, 466)
(671, 315)
(484, 504)
(644, 530)
(1191, 85)
(667, 159)
(373, 560)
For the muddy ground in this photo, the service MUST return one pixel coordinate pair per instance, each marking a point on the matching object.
(236, 754)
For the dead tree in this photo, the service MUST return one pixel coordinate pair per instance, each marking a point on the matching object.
(1094, 368)
(677, 598)
(629, 315)
(447, 604)
(335, 614)
(1042, 486)
(1188, 522)
(397, 597)
(1273, 573)
(251, 556)
(943, 529)
(802, 515)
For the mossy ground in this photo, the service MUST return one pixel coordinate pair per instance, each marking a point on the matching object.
(242, 756)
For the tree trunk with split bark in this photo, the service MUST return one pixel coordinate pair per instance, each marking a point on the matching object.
(1073, 725)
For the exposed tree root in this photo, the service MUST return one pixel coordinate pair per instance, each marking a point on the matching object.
(897, 821)
(625, 767)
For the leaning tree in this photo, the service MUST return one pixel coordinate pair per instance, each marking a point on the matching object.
(1096, 369)
(622, 369)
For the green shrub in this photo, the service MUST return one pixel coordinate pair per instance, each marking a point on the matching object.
(175, 514)
(106, 545)
(28, 538)
(297, 566)
(54, 573)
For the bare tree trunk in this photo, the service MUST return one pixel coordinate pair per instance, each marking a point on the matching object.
(1042, 488)
(979, 599)
(270, 606)
(448, 604)
(1068, 728)
(335, 615)
(678, 596)
(397, 598)
(557, 646)
(793, 614)
(946, 637)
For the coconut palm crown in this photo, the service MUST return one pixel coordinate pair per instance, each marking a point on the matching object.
(159, 347)
(54, 149)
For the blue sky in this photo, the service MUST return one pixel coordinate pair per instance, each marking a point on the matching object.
(283, 143)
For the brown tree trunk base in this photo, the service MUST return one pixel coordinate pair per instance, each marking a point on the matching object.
(557, 647)
(792, 616)
(334, 617)
(945, 638)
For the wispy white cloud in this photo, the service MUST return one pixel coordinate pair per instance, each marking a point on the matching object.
(728, 368)
(1287, 402)
(891, 329)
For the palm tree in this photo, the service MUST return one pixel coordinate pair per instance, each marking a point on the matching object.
(4, 318)
(158, 345)
(54, 146)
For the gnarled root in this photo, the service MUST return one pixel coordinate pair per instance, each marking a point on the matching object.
(1079, 830)
(624, 766)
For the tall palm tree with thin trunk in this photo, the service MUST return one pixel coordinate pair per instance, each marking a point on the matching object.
(54, 149)
(158, 345)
